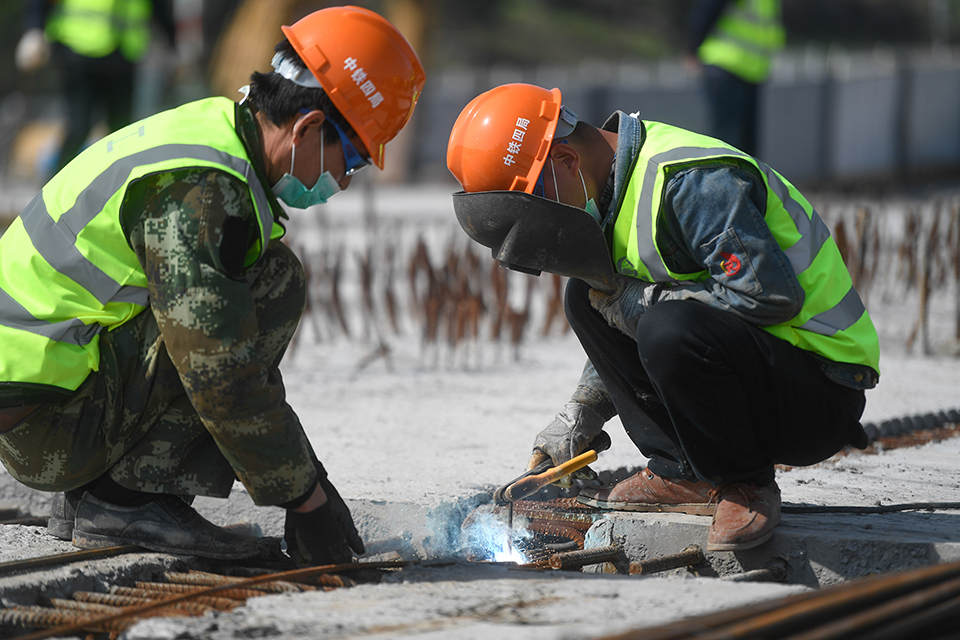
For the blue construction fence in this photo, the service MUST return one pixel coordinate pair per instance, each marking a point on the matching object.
(827, 117)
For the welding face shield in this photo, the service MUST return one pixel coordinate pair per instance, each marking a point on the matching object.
(531, 234)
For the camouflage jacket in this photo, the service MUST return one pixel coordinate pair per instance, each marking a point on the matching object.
(190, 229)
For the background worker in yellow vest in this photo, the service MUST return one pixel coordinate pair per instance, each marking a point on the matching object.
(734, 40)
(719, 320)
(96, 44)
(146, 301)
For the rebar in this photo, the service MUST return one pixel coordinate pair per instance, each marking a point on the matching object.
(203, 579)
(772, 573)
(146, 595)
(79, 605)
(809, 611)
(179, 593)
(584, 557)
(117, 600)
(557, 529)
(46, 618)
(567, 510)
(239, 593)
(64, 558)
(689, 557)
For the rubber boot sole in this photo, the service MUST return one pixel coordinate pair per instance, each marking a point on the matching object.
(740, 546)
(60, 528)
(84, 540)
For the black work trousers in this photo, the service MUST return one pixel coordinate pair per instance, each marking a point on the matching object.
(734, 108)
(106, 83)
(705, 395)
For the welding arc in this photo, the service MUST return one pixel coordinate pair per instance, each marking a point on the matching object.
(532, 484)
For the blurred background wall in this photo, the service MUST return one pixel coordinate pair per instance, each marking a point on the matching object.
(867, 92)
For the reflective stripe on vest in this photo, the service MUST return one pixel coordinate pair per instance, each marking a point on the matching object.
(744, 39)
(81, 274)
(831, 306)
(96, 28)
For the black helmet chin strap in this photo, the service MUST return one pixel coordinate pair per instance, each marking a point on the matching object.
(531, 234)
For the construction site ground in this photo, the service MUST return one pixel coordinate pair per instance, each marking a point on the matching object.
(415, 447)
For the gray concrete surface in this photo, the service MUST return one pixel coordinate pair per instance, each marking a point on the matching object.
(415, 448)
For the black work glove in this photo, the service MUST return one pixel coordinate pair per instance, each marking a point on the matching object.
(315, 538)
(324, 535)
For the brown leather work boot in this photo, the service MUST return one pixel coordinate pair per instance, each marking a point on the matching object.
(646, 491)
(745, 518)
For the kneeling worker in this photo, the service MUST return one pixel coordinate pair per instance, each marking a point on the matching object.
(146, 301)
(717, 315)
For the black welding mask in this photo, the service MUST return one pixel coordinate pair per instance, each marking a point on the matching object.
(531, 234)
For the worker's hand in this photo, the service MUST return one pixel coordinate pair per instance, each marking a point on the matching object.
(32, 51)
(622, 308)
(567, 437)
(315, 537)
(327, 533)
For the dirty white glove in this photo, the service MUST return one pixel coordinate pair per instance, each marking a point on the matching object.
(622, 308)
(32, 51)
(567, 436)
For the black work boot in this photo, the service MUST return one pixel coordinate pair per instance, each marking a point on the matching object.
(166, 524)
(63, 513)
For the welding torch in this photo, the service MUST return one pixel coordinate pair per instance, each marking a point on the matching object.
(544, 473)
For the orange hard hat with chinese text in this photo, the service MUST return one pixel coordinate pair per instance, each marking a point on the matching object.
(501, 139)
(366, 66)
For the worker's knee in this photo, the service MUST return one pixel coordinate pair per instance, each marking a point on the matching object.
(673, 332)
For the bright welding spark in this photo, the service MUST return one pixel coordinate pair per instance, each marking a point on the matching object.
(489, 537)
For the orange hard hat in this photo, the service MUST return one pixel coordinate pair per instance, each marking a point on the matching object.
(369, 70)
(501, 139)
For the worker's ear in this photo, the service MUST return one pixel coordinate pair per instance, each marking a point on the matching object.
(304, 122)
(565, 156)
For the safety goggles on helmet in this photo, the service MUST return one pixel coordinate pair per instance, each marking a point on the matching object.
(538, 186)
(354, 161)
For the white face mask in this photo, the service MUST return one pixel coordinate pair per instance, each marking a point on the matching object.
(590, 206)
(293, 192)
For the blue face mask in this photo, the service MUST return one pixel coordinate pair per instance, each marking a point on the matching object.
(293, 193)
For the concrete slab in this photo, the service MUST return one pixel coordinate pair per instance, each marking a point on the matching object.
(818, 549)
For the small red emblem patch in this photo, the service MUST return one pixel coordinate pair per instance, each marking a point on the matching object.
(730, 264)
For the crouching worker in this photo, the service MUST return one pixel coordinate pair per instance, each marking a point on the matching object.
(146, 302)
(716, 313)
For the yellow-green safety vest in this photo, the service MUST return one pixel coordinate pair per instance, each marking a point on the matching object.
(66, 269)
(744, 39)
(832, 322)
(96, 28)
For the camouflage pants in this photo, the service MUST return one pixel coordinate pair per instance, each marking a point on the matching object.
(133, 419)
